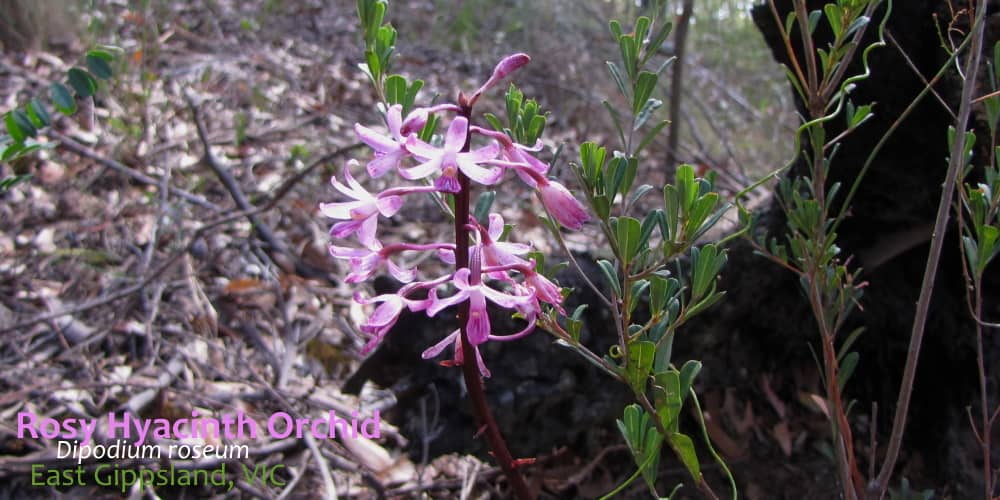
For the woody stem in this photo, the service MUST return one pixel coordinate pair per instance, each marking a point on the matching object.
(470, 368)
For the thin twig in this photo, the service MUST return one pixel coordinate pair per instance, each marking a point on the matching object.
(81, 150)
(878, 487)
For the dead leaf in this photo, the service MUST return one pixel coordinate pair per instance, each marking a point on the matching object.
(784, 437)
(772, 398)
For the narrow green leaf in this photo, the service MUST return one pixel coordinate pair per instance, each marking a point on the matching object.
(646, 112)
(395, 89)
(8, 182)
(611, 276)
(650, 135)
(616, 75)
(617, 121)
(643, 90)
(669, 403)
(833, 14)
(629, 231)
(648, 224)
(688, 373)
(814, 18)
(845, 346)
(847, 369)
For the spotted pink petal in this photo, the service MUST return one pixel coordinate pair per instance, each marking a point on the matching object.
(478, 326)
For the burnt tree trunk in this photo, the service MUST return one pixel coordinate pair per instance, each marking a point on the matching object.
(887, 233)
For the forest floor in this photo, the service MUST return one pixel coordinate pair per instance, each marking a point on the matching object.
(130, 281)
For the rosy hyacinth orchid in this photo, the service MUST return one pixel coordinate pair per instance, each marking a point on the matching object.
(366, 262)
(450, 159)
(505, 67)
(543, 289)
(499, 253)
(515, 153)
(455, 339)
(386, 315)
(566, 209)
(470, 287)
(361, 215)
(389, 150)
(562, 205)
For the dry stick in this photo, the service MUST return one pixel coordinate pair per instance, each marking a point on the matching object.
(275, 246)
(916, 71)
(878, 487)
(70, 144)
(677, 81)
(90, 304)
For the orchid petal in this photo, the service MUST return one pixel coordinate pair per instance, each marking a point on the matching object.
(441, 304)
(384, 163)
(485, 176)
(504, 300)
(496, 226)
(478, 326)
(429, 167)
(421, 149)
(436, 349)
(366, 233)
(401, 274)
(389, 205)
(394, 119)
(454, 139)
(379, 142)
(339, 210)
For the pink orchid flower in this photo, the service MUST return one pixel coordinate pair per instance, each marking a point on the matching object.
(361, 215)
(471, 288)
(450, 159)
(389, 150)
(505, 67)
(562, 205)
(366, 262)
(566, 209)
(386, 315)
(499, 253)
(455, 339)
(513, 152)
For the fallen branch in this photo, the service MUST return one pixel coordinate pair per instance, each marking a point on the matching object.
(68, 143)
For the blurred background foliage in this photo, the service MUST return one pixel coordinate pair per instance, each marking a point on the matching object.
(735, 109)
(735, 112)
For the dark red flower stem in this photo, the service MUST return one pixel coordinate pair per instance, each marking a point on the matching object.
(470, 369)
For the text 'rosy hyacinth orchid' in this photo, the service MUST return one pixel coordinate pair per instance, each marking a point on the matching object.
(487, 269)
